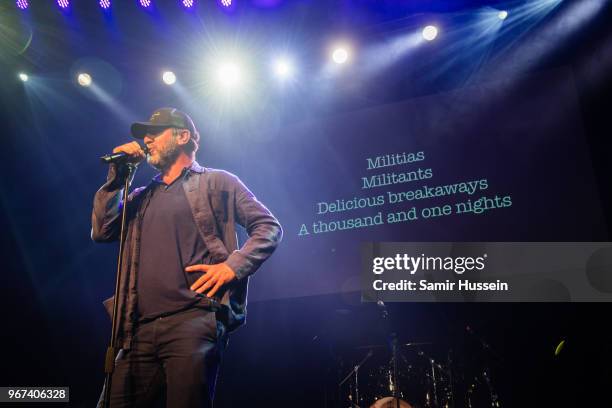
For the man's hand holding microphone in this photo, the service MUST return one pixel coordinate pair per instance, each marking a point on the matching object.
(127, 153)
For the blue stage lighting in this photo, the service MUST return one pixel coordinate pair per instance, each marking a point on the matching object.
(63, 4)
(84, 79)
(430, 32)
(22, 4)
(145, 3)
(502, 15)
(188, 3)
(105, 4)
(229, 74)
(169, 77)
(340, 55)
(23, 76)
(283, 68)
(226, 3)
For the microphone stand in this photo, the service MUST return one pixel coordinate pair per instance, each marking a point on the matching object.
(109, 361)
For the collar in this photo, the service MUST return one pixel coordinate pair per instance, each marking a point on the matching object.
(196, 168)
(193, 168)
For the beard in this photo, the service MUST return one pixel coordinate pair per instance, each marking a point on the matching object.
(163, 158)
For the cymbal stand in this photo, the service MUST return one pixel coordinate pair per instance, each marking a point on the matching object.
(434, 381)
(395, 391)
(493, 395)
(354, 394)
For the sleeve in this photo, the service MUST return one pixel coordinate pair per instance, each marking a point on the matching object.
(262, 227)
(107, 206)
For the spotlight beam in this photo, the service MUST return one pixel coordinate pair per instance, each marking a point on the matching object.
(283, 68)
(84, 79)
(430, 32)
(169, 77)
(340, 55)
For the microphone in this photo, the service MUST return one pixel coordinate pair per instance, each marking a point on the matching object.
(119, 157)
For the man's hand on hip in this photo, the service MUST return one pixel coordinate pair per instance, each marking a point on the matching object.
(214, 277)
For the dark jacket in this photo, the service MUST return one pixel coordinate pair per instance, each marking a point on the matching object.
(218, 200)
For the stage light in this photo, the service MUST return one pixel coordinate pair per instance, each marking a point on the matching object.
(430, 32)
(226, 3)
(340, 55)
(187, 3)
(84, 79)
(22, 4)
(502, 15)
(145, 3)
(169, 78)
(105, 4)
(63, 4)
(228, 74)
(23, 76)
(283, 68)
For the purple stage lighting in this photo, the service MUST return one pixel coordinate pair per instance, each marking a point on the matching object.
(105, 4)
(226, 3)
(145, 3)
(64, 4)
(187, 3)
(22, 4)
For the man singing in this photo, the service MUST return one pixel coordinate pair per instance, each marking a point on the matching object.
(184, 280)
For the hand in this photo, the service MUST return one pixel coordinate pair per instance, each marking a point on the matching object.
(214, 277)
(133, 149)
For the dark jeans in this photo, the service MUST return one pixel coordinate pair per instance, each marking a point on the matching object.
(178, 354)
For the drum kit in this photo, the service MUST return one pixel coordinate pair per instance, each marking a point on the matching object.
(406, 375)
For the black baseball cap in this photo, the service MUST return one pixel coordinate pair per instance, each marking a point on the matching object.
(164, 118)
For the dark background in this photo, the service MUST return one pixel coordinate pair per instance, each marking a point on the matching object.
(293, 350)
